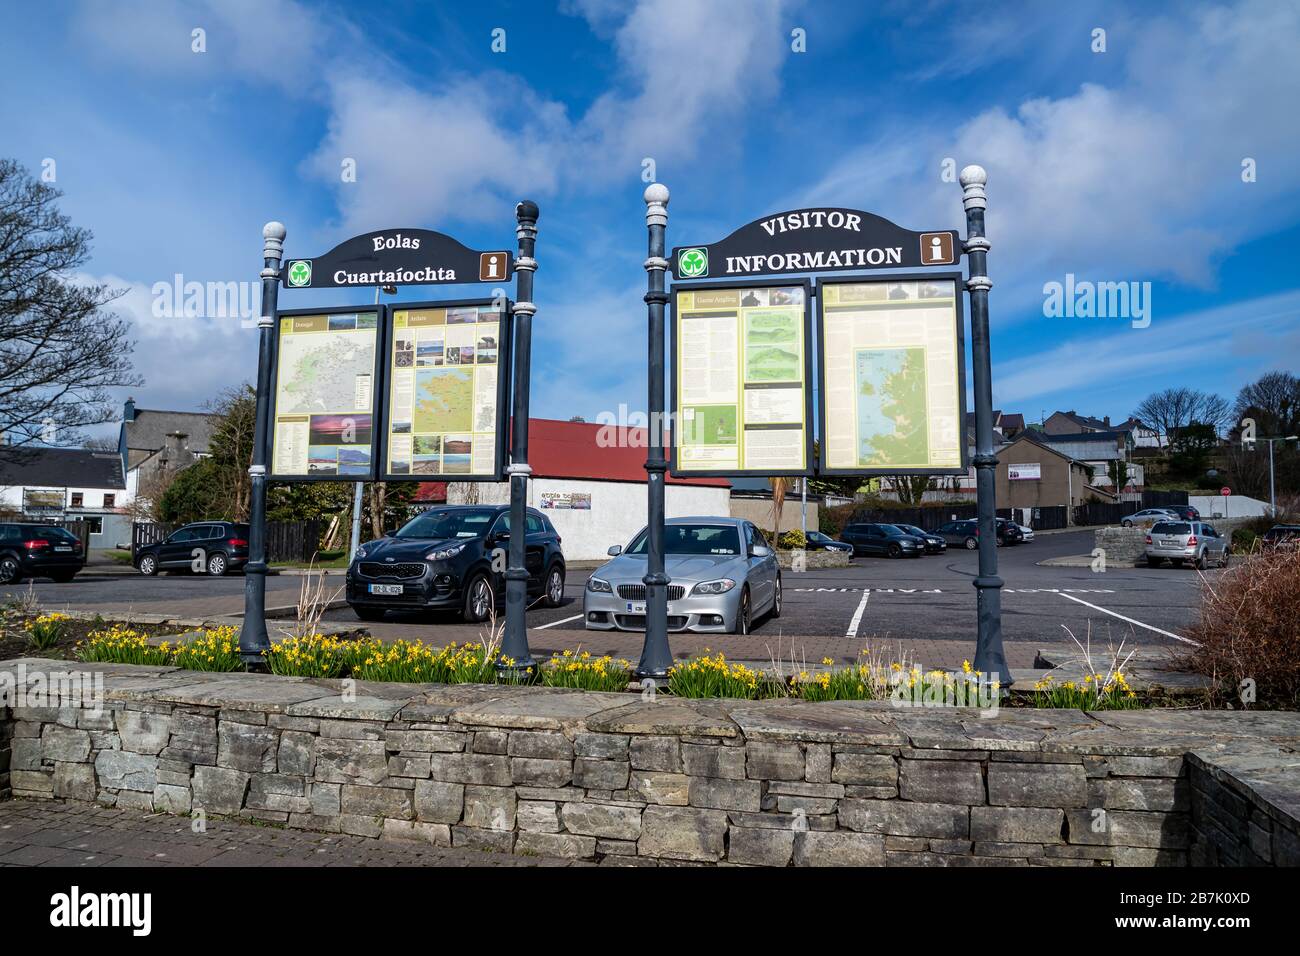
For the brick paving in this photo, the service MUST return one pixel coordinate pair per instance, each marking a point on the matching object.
(52, 834)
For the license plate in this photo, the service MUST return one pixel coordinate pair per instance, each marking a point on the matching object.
(385, 589)
(1170, 543)
(636, 607)
(63, 547)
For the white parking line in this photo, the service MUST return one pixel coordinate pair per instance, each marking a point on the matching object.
(542, 627)
(1185, 640)
(857, 616)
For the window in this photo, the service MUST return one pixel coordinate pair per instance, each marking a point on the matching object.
(95, 523)
(534, 524)
(77, 499)
(110, 501)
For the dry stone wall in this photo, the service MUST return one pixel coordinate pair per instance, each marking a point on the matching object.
(627, 780)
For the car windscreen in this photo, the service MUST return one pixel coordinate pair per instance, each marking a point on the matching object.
(1172, 527)
(909, 529)
(468, 523)
(889, 529)
(693, 539)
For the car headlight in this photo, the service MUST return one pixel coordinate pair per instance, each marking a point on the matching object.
(721, 586)
(442, 554)
(600, 585)
(361, 552)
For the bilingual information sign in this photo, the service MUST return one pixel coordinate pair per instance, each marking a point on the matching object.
(398, 257)
(824, 239)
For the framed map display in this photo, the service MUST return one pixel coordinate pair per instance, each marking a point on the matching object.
(324, 379)
(891, 375)
(446, 407)
(741, 379)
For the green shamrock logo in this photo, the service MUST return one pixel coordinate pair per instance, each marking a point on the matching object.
(692, 263)
(300, 273)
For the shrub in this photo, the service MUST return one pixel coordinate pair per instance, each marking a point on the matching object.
(714, 677)
(418, 663)
(311, 656)
(581, 670)
(1094, 692)
(793, 540)
(45, 631)
(1249, 629)
(213, 650)
(855, 682)
(120, 644)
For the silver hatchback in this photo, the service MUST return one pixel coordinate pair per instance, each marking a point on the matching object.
(1181, 541)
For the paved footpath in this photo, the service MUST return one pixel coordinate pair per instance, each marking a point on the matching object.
(50, 834)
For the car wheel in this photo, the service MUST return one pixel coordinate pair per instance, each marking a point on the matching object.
(555, 587)
(369, 613)
(148, 565)
(743, 614)
(217, 565)
(895, 551)
(1126, 524)
(1201, 562)
(776, 599)
(1154, 562)
(972, 544)
(478, 600)
(11, 571)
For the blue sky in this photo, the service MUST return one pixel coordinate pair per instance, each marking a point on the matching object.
(1123, 165)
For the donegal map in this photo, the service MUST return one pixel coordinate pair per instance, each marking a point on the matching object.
(444, 400)
(892, 420)
(326, 372)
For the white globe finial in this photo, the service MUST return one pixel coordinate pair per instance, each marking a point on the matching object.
(274, 230)
(656, 193)
(974, 176)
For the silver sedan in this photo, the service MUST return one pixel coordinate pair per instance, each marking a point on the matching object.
(723, 575)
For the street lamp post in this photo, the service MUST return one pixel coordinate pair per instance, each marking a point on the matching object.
(253, 638)
(514, 645)
(990, 658)
(656, 656)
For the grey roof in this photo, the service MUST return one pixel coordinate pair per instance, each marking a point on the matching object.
(1085, 421)
(1110, 436)
(150, 429)
(60, 468)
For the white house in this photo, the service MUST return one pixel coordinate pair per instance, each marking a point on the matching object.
(67, 484)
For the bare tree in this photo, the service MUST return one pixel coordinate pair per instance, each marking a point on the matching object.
(1174, 408)
(1273, 401)
(60, 350)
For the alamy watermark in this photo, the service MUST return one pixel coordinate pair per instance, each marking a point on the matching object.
(1084, 299)
(26, 687)
(179, 299)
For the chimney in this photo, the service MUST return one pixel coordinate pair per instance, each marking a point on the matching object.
(1107, 421)
(128, 410)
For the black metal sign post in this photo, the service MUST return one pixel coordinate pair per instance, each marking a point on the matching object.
(656, 656)
(253, 639)
(990, 658)
(389, 257)
(514, 645)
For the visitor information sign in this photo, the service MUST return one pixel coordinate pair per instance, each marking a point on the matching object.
(892, 375)
(323, 394)
(741, 377)
(447, 374)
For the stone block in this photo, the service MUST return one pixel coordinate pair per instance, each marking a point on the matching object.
(817, 763)
(668, 789)
(349, 760)
(541, 816)
(75, 781)
(872, 770)
(477, 838)
(567, 845)
(941, 781)
(1037, 785)
(376, 802)
(33, 782)
(601, 746)
(682, 833)
(904, 818)
(838, 848)
(490, 770)
(437, 834)
(425, 741)
(326, 799)
(1095, 827)
(439, 802)
(492, 808)
(600, 774)
(656, 753)
(775, 761)
(539, 772)
(247, 747)
(760, 846)
(1139, 793)
(1016, 825)
(218, 789)
(719, 794)
(409, 765)
(601, 820)
(118, 770)
(547, 746)
(490, 742)
(64, 744)
(169, 799)
(297, 753)
(143, 733)
(714, 761)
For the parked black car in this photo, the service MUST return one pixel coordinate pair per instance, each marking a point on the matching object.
(204, 547)
(966, 533)
(883, 539)
(824, 542)
(934, 543)
(1281, 536)
(443, 558)
(39, 551)
(1186, 512)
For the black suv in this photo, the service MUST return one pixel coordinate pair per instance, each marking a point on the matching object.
(212, 547)
(443, 558)
(883, 539)
(1186, 512)
(39, 551)
(967, 533)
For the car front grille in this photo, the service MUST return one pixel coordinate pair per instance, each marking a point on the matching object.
(373, 569)
(636, 592)
(636, 622)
